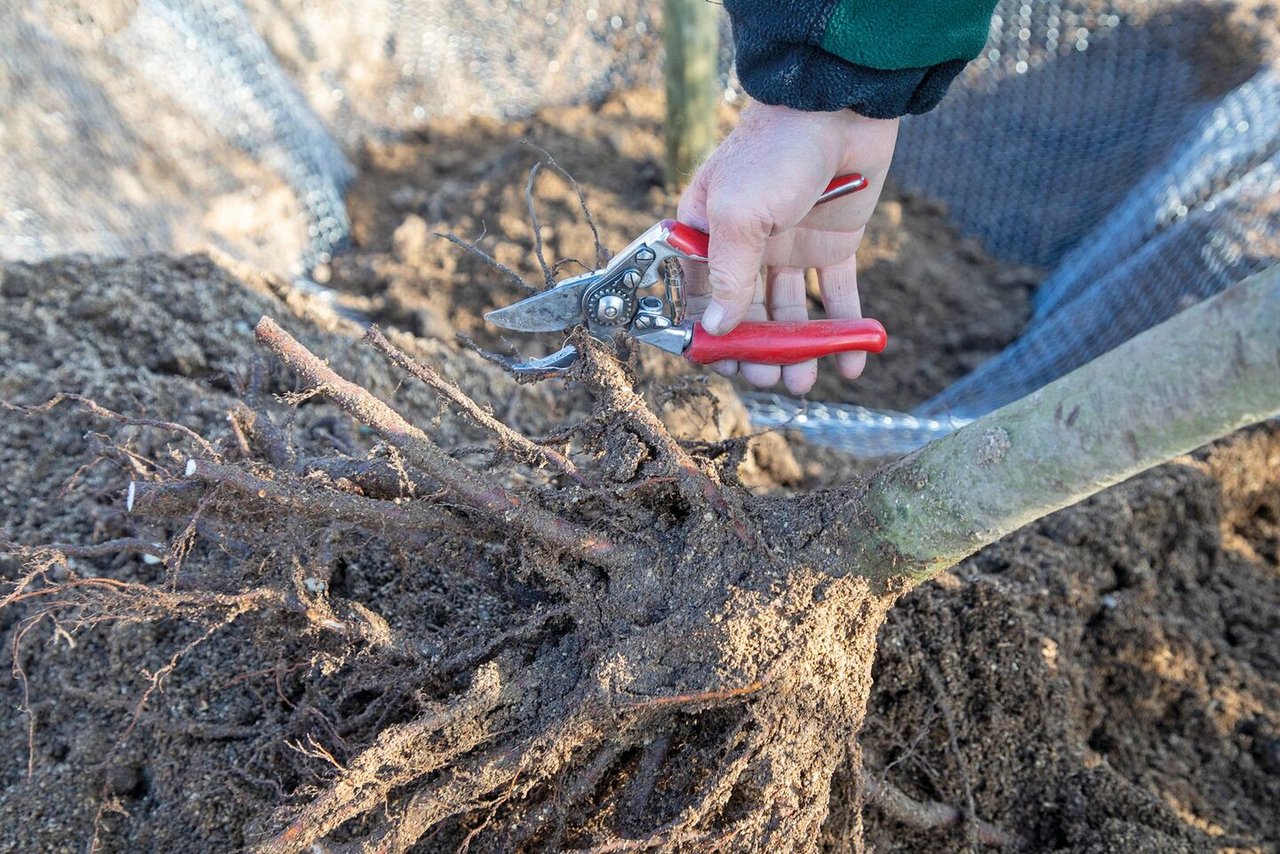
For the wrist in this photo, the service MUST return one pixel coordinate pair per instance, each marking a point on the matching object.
(837, 133)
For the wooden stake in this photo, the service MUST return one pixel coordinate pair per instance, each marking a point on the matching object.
(691, 37)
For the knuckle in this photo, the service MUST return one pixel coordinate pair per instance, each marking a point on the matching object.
(738, 219)
(728, 289)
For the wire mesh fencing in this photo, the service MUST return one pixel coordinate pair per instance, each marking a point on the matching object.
(1104, 141)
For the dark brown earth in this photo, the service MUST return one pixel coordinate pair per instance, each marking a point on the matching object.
(1107, 679)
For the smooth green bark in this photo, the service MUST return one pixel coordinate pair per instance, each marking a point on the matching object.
(1200, 375)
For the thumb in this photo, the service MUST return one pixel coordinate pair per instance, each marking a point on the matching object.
(693, 201)
(734, 255)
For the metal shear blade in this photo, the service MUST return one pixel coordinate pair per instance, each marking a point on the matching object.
(548, 366)
(549, 311)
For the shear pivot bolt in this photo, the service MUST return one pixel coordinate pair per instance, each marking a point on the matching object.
(631, 278)
(645, 255)
(610, 307)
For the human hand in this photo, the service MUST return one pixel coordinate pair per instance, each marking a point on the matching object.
(755, 196)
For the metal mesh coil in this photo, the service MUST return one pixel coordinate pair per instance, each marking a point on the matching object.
(1097, 139)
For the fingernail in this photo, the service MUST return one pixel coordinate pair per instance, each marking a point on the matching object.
(712, 317)
(726, 368)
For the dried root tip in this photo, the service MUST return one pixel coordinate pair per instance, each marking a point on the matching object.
(511, 275)
(931, 815)
(602, 256)
(548, 277)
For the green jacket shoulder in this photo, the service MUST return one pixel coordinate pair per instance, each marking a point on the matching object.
(881, 58)
(907, 33)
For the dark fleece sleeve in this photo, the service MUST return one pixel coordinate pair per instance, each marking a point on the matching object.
(780, 60)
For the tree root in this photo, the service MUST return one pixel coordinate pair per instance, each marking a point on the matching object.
(262, 433)
(953, 747)
(473, 249)
(401, 755)
(470, 787)
(96, 599)
(683, 830)
(932, 815)
(506, 436)
(368, 514)
(646, 778)
(601, 256)
(548, 277)
(605, 376)
(111, 415)
(480, 493)
(387, 480)
(704, 698)
(109, 548)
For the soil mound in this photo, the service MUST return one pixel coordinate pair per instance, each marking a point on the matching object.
(1105, 679)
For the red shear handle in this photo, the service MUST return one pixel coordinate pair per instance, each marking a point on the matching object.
(692, 242)
(775, 342)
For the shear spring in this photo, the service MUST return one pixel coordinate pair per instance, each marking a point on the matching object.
(673, 278)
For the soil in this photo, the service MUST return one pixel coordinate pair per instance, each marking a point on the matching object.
(1106, 679)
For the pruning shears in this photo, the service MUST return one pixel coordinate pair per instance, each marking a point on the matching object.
(608, 302)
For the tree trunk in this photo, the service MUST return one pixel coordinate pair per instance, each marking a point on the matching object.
(1210, 370)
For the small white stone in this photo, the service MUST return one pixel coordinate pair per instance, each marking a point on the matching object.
(150, 559)
(313, 585)
(131, 496)
(191, 467)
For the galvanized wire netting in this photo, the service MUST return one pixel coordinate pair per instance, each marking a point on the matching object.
(1124, 145)
(146, 125)
(1208, 217)
(1132, 150)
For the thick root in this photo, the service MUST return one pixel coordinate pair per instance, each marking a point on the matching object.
(401, 755)
(670, 684)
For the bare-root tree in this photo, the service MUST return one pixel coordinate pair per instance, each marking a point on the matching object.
(693, 660)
